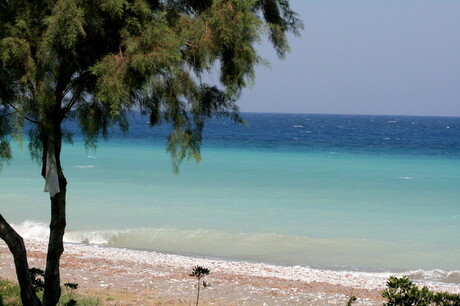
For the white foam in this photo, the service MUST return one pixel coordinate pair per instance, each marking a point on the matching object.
(40, 231)
(84, 166)
(436, 275)
(246, 245)
(406, 178)
(32, 230)
(90, 237)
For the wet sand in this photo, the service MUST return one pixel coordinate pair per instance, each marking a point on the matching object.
(130, 277)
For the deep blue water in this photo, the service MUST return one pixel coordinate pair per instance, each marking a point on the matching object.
(401, 135)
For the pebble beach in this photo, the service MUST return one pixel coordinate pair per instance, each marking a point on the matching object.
(118, 276)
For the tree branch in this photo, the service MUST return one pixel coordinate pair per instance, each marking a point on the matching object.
(16, 245)
(73, 100)
(188, 44)
(21, 113)
(6, 115)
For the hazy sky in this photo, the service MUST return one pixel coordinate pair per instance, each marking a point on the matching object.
(365, 57)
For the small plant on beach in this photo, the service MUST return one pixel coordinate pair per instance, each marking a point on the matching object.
(199, 272)
(402, 291)
(71, 288)
(37, 276)
(351, 300)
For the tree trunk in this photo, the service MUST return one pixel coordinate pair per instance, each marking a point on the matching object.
(198, 293)
(52, 289)
(16, 245)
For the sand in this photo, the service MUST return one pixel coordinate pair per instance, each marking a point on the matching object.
(132, 277)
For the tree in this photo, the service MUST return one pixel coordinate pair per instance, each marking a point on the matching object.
(95, 60)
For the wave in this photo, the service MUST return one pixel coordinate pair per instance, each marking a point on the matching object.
(32, 230)
(280, 249)
(436, 275)
(84, 166)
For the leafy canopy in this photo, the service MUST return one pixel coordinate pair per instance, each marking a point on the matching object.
(95, 60)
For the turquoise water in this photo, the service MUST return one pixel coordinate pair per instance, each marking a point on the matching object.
(334, 208)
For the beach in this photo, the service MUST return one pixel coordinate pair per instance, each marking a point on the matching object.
(119, 276)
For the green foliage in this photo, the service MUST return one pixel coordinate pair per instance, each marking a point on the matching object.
(446, 299)
(96, 60)
(10, 295)
(71, 302)
(5, 130)
(402, 291)
(351, 300)
(37, 278)
(71, 288)
(199, 272)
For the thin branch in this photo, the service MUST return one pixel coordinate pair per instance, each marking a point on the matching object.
(73, 100)
(80, 81)
(188, 44)
(66, 90)
(21, 113)
(6, 115)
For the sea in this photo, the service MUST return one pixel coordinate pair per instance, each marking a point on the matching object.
(340, 192)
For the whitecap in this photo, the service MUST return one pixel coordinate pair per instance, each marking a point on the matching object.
(436, 275)
(84, 166)
(90, 237)
(32, 230)
(297, 126)
(406, 178)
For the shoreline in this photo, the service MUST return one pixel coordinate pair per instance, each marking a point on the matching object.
(135, 277)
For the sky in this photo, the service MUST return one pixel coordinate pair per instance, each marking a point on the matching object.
(386, 57)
